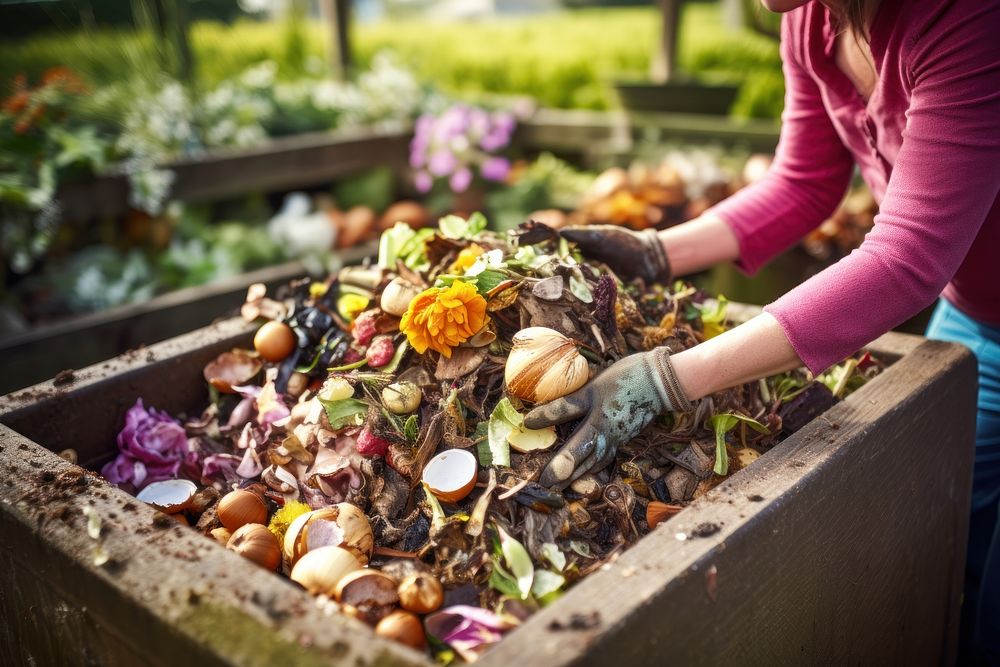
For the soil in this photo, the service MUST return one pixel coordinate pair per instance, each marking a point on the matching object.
(577, 622)
(64, 377)
(706, 529)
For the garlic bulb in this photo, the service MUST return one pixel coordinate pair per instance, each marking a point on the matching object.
(397, 295)
(320, 570)
(544, 365)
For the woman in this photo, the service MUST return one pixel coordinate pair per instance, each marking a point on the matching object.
(910, 92)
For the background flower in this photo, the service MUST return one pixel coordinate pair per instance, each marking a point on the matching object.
(461, 142)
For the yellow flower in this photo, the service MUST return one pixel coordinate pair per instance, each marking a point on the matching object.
(466, 258)
(440, 318)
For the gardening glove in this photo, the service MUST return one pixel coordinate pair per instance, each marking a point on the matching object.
(629, 254)
(615, 407)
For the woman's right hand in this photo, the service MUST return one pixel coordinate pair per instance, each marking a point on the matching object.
(629, 254)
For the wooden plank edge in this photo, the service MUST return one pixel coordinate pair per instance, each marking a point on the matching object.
(555, 641)
(167, 591)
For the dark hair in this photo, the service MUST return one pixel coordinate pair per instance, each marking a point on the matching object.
(851, 15)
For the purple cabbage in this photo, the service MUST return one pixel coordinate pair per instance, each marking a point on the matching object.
(467, 629)
(152, 447)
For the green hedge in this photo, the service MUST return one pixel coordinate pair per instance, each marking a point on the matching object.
(566, 60)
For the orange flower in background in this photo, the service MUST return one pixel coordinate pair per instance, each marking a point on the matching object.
(440, 318)
(466, 258)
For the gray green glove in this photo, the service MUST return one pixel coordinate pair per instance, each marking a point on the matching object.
(614, 407)
(629, 254)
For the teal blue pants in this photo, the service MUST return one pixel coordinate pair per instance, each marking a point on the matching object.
(980, 633)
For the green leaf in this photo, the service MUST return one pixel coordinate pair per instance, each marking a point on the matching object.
(517, 559)
(477, 222)
(715, 313)
(503, 420)
(456, 227)
(551, 553)
(345, 412)
(545, 583)
(489, 279)
(503, 581)
(411, 428)
(453, 227)
(392, 242)
(723, 424)
(578, 286)
(481, 436)
(581, 548)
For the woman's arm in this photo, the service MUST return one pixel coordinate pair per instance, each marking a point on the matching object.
(944, 184)
(807, 180)
(755, 349)
(699, 244)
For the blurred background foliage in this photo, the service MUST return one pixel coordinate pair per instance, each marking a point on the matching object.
(564, 59)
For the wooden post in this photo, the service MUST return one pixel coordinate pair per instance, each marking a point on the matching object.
(337, 16)
(665, 60)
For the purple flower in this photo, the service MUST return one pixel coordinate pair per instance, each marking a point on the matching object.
(424, 127)
(152, 447)
(423, 182)
(453, 122)
(460, 180)
(469, 630)
(495, 168)
(417, 159)
(442, 163)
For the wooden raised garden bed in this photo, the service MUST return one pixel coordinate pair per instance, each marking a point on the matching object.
(844, 544)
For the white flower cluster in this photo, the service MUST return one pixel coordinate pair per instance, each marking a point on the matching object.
(239, 112)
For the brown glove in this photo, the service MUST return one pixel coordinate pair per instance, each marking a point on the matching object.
(629, 254)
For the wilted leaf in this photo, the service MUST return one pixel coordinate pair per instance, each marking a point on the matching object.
(519, 561)
(722, 424)
(545, 583)
(503, 420)
(552, 553)
(410, 428)
(345, 412)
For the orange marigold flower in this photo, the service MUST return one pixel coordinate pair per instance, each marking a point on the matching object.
(466, 258)
(440, 318)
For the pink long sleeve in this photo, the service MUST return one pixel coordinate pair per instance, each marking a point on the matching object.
(805, 183)
(928, 142)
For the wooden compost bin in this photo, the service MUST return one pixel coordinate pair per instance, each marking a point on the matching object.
(844, 544)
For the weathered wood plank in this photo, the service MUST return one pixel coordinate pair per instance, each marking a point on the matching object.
(298, 161)
(853, 553)
(844, 544)
(168, 596)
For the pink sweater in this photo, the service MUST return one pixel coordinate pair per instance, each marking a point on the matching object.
(927, 143)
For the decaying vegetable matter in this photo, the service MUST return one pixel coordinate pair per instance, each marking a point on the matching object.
(373, 448)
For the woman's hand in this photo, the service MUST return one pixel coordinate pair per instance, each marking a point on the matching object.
(629, 254)
(658, 256)
(619, 403)
(615, 407)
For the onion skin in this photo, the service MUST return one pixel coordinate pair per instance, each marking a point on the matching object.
(403, 627)
(240, 507)
(256, 543)
(544, 365)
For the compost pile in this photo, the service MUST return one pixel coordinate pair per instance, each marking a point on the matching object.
(372, 445)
